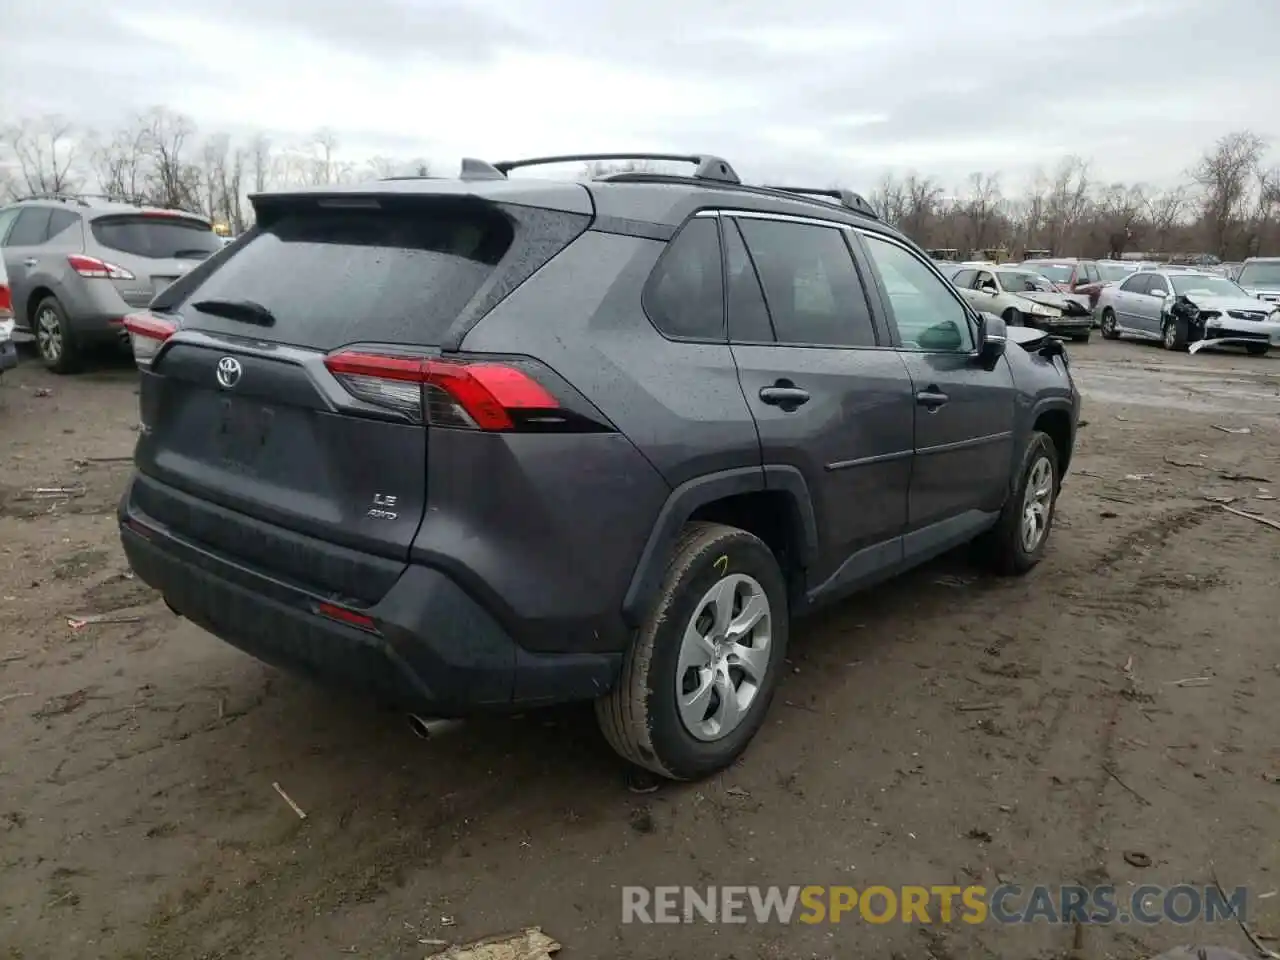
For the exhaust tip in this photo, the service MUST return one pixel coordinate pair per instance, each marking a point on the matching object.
(429, 728)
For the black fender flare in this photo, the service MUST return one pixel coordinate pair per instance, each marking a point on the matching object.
(1039, 408)
(698, 492)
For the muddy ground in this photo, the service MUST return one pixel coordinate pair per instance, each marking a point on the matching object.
(951, 728)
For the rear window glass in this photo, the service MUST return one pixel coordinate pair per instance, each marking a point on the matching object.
(336, 276)
(159, 236)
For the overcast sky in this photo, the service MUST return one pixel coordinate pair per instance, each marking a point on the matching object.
(823, 90)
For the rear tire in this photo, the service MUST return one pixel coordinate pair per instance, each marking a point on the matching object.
(1011, 547)
(1108, 325)
(55, 343)
(1173, 335)
(1257, 349)
(670, 662)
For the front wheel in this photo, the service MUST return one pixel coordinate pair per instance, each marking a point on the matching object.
(1014, 318)
(698, 678)
(1082, 337)
(1108, 325)
(1257, 349)
(1174, 334)
(1017, 542)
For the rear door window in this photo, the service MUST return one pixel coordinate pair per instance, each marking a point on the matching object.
(685, 297)
(1137, 283)
(398, 274)
(31, 228)
(811, 286)
(158, 236)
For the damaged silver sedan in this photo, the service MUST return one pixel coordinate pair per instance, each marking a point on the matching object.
(1188, 310)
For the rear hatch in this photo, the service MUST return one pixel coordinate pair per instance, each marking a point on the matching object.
(293, 398)
(150, 250)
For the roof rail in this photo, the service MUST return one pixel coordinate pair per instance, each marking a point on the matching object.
(60, 197)
(708, 167)
(847, 198)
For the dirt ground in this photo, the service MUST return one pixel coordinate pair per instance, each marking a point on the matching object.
(950, 728)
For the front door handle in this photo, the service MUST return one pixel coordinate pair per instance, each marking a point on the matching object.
(784, 394)
(30, 262)
(932, 398)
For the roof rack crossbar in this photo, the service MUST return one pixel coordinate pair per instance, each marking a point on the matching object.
(847, 198)
(707, 166)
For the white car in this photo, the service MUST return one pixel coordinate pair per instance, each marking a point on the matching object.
(1180, 308)
(8, 351)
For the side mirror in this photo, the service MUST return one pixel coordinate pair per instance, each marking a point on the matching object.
(1159, 292)
(988, 287)
(992, 339)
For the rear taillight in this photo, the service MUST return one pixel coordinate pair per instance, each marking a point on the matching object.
(6, 302)
(147, 334)
(471, 395)
(98, 269)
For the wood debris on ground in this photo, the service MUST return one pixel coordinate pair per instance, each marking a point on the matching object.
(529, 944)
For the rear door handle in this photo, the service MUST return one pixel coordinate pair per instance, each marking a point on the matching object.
(932, 398)
(784, 396)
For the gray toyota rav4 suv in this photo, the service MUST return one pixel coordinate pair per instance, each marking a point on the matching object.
(488, 442)
(78, 265)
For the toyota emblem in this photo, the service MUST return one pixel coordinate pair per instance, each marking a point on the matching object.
(229, 371)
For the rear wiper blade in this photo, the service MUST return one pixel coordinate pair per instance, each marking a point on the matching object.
(245, 310)
(192, 252)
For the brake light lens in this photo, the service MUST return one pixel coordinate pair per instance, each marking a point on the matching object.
(6, 302)
(469, 395)
(94, 268)
(147, 334)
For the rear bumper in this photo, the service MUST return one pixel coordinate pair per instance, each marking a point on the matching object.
(435, 650)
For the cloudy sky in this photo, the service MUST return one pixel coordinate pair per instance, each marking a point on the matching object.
(823, 90)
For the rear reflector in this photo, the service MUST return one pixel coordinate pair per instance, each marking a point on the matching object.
(147, 334)
(471, 395)
(349, 617)
(95, 268)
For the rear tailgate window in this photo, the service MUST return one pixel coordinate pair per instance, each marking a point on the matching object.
(399, 272)
(157, 235)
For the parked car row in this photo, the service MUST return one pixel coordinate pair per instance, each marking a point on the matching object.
(78, 266)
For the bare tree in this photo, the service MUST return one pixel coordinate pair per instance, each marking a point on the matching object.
(325, 145)
(1067, 201)
(1225, 174)
(922, 200)
(889, 199)
(46, 150)
(1165, 211)
(1117, 218)
(981, 207)
(260, 161)
(122, 164)
(174, 181)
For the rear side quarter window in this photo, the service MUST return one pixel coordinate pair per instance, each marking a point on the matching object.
(684, 297)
